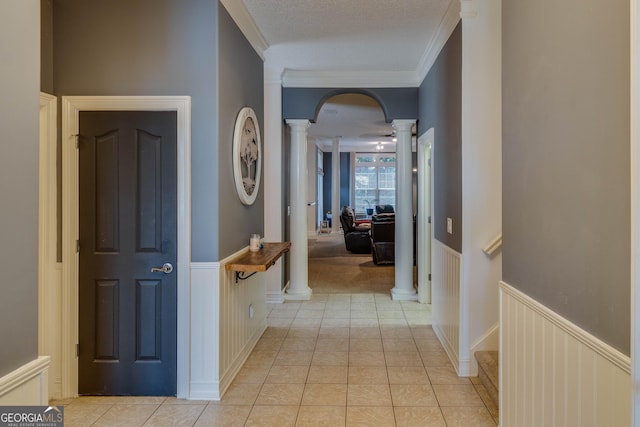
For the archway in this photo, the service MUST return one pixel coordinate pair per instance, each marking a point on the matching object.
(300, 108)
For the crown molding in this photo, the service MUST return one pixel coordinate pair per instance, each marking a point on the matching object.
(247, 25)
(446, 27)
(372, 79)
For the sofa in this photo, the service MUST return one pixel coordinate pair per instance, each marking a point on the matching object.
(356, 237)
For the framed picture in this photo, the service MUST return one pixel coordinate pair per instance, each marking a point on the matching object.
(247, 155)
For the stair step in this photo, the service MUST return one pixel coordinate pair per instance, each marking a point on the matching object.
(488, 372)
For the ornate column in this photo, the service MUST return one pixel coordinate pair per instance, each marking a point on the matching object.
(299, 278)
(403, 289)
(335, 185)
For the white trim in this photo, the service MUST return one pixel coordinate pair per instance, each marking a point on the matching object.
(447, 25)
(20, 386)
(552, 372)
(493, 246)
(490, 340)
(205, 321)
(272, 172)
(425, 237)
(71, 107)
(47, 228)
(350, 79)
(276, 297)
(468, 9)
(603, 349)
(247, 25)
(635, 209)
(446, 293)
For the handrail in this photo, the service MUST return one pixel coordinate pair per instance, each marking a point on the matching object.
(493, 246)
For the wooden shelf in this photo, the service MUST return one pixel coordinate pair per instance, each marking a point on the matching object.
(253, 262)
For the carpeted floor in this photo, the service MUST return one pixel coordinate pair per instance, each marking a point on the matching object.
(332, 269)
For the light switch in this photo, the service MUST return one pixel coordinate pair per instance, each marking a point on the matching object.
(449, 226)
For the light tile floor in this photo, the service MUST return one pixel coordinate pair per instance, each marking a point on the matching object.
(337, 360)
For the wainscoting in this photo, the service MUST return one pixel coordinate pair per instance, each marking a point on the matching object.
(27, 385)
(227, 319)
(554, 373)
(445, 291)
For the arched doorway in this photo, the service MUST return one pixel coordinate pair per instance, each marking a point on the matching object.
(353, 148)
(300, 109)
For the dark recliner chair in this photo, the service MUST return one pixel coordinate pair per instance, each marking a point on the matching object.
(356, 238)
(383, 238)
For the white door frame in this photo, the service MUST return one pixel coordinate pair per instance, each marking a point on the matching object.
(635, 210)
(48, 328)
(71, 107)
(425, 198)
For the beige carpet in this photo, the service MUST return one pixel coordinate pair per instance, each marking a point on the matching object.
(332, 269)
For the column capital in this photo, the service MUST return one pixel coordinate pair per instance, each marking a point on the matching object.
(298, 123)
(403, 124)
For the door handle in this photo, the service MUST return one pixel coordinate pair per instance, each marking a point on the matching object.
(166, 268)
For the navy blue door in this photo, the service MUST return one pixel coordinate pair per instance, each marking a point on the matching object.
(128, 223)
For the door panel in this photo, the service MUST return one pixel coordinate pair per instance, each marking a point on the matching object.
(128, 224)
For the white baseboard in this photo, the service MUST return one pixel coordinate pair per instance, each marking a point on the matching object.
(489, 341)
(28, 385)
(238, 362)
(275, 297)
(553, 372)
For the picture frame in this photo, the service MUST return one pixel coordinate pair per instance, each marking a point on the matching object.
(247, 155)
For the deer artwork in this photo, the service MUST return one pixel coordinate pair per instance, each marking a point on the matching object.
(249, 155)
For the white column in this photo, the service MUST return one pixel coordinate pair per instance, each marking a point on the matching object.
(299, 277)
(335, 185)
(403, 289)
(272, 169)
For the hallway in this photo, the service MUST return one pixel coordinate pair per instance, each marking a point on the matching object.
(337, 360)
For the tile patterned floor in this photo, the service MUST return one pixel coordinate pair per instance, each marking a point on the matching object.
(337, 360)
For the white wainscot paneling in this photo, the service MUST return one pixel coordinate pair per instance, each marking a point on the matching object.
(445, 289)
(554, 373)
(27, 385)
(227, 319)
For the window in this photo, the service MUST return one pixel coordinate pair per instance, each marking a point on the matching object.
(375, 181)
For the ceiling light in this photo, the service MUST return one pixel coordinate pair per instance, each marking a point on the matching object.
(379, 146)
(394, 139)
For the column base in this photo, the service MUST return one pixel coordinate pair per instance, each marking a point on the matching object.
(298, 294)
(398, 294)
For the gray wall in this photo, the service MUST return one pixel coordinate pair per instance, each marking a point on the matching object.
(566, 207)
(305, 103)
(166, 47)
(440, 107)
(19, 119)
(241, 84)
(46, 46)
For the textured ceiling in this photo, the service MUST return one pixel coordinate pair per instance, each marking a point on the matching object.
(347, 35)
(361, 36)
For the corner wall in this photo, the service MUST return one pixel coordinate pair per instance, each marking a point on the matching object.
(19, 121)
(240, 84)
(440, 107)
(566, 165)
